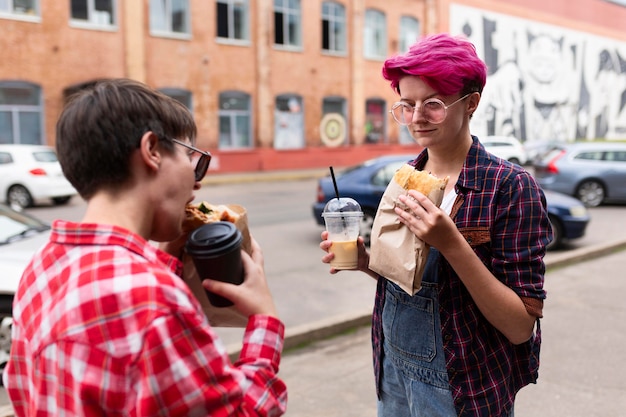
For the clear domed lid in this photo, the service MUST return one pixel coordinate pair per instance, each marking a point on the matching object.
(343, 205)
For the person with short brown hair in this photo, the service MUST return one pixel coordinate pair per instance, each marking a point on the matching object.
(103, 324)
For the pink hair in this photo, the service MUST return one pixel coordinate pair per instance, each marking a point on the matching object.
(448, 64)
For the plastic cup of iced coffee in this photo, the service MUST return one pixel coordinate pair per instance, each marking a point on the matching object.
(343, 220)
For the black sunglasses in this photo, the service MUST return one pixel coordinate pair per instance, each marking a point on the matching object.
(203, 163)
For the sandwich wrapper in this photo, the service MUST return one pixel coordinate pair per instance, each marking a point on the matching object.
(395, 252)
(219, 316)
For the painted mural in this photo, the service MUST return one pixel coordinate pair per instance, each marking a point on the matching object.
(546, 83)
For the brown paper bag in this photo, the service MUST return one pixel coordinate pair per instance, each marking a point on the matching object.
(395, 252)
(219, 316)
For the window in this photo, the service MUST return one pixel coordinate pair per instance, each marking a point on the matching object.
(616, 156)
(287, 23)
(375, 35)
(333, 27)
(183, 96)
(169, 17)
(94, 12)
(590, 155)
(375, 120)
(20, 113)
(19, 7)
(288, 122)
(235, 120)
(409, 32)
(383, 176)
(232, 19)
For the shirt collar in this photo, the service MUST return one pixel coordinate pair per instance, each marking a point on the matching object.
(71, 233)
(471, 176)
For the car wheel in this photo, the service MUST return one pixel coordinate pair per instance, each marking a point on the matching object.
(5, 342)
(591, 193)
(514, 161)
(366, 225)
(59, 201)
(19, 197)
(557, 232)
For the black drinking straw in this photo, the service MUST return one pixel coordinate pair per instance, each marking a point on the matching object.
(332, 175)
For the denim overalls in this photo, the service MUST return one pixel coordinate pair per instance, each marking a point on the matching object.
(414, 375)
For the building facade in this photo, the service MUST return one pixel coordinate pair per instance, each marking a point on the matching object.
(287, 84)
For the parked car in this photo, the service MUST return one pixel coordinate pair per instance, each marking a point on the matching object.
(568, 216)
(506, 147)
(536, 150)
(593, 172)
(366, 183)
(20, 236)
(30, 174)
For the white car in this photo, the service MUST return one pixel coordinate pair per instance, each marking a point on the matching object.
(506, 147)
(30, 174)
(21, 236)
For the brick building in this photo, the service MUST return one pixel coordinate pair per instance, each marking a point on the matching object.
(293, 84)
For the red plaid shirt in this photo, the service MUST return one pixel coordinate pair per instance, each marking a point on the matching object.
(103, 325)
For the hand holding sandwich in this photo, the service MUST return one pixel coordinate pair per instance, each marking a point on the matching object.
(427, 221)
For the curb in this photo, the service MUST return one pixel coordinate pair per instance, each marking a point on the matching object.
(333, 326)
(286, 175)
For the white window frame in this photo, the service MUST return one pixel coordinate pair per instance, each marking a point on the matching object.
(375, 35)
(290, 16)
(16, 109)
(232, 115)
(95, 18)
(232, 6)
(335, 14)
(12, 11)
(163, 10)
(409, 33)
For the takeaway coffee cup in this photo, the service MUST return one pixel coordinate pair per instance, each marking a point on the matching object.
(343, 221)
(216, 252)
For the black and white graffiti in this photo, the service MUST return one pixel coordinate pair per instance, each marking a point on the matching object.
(546, 83)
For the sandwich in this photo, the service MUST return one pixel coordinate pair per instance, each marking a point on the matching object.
(426, 183)
(202, 213)
(198, 214)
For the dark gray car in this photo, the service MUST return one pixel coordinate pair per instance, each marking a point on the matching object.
(593, 172)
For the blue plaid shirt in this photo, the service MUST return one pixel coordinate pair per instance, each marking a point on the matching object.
(501, 212)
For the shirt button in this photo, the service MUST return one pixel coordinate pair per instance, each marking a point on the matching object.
(447, 337)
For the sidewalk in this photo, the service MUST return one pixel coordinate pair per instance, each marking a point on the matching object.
(581, 356)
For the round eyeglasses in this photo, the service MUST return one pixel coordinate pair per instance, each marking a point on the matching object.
(203, 162)
(433, 110)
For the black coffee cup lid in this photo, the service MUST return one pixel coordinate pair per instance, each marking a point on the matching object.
(213, 239)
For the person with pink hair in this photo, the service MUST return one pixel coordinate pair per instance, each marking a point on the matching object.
(469, 339)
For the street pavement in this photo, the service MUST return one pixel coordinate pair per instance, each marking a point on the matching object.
(582, 364)
(327, 361)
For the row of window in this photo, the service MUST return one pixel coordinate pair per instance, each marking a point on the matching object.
(21, 116)
(172, 18)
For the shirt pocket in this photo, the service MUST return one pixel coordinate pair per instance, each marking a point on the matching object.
(479, 238)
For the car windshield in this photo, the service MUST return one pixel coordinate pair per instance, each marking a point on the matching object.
(14, 225)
